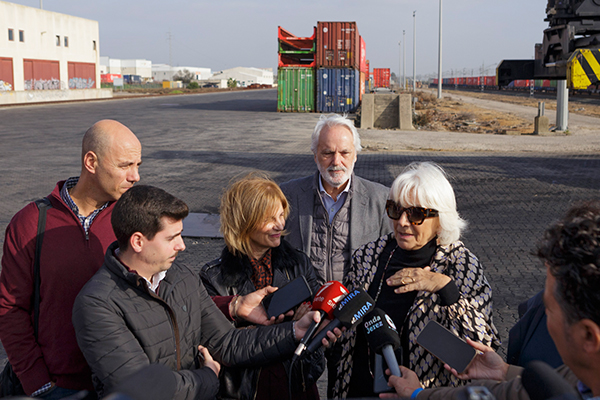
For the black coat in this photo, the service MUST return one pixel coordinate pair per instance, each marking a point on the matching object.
(122, 326)
(231, 275)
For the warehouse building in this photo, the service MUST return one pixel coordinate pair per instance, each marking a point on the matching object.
(165, 72)
(47, 56)
(247, 76)
(142, 68)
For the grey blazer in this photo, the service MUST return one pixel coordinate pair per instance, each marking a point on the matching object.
(368, 220)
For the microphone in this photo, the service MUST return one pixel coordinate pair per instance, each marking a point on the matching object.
(348, 313)
(542, 382)
(383, 337)
(325, 300)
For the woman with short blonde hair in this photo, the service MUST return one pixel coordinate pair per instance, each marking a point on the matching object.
(253, 213)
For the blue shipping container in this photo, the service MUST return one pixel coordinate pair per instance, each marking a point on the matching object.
(338, 90)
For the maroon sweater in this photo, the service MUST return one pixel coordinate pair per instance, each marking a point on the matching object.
(68, 261)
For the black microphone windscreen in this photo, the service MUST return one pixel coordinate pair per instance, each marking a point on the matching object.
(542, 382)
(380, 330)
(352, 308)
(153, 382)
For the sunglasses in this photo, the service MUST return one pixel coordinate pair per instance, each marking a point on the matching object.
(415, 215)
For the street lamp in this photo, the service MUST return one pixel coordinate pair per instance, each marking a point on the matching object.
(400, 63)
(439, 96)
(414, 51)
(404, 60)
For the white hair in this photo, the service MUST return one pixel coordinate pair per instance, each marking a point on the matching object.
(330, 121)
(425, 184)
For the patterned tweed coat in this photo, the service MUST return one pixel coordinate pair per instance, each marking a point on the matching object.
(470, 316)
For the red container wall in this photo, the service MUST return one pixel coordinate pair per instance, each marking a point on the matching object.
(338, 45)
(381, 77)
(301, 60)
(109, 78)
(490, 81)
(363, 56)
(41, 75)
(82, 75)
(6, 74)
(293, 41)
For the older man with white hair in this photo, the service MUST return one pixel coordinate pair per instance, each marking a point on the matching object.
(333, 212)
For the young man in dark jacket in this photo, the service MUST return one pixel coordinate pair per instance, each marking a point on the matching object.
(142, 308)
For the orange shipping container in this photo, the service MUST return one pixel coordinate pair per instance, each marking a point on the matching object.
(338, 45)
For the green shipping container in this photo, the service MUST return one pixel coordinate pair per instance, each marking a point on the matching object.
(296, 89)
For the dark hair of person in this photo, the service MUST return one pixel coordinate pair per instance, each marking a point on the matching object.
(571, 250)
(141, 209)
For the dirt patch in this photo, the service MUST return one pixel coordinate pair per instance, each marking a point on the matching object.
(450, 114)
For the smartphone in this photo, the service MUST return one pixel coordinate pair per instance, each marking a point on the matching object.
(446, 346)
(287, 297)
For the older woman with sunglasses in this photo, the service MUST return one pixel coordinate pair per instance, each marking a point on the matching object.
(418, 273)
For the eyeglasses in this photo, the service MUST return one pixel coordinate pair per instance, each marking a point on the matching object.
(415, 215)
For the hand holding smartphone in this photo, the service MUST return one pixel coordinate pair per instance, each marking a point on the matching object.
(446, 346)
(287, 297)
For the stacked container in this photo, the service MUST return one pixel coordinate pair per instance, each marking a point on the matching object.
(295, 75)
(338, 66)
(364, 68)
(381, 77)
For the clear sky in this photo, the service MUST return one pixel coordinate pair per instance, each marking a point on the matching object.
(221, 34)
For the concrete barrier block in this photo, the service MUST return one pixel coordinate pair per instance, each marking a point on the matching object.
(367, 111)
(541, 125)
(405, 112)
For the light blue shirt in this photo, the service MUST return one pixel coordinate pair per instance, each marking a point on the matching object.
(333, 206)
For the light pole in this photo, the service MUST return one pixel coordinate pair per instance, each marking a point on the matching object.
(439, 96)
(414, 51)
(404, 60)
(399, 63)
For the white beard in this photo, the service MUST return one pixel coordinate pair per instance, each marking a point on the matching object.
(335, 180)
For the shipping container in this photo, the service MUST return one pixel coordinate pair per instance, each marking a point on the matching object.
(296, 60)
(338, 45)
(82, 75)
(6, 74)
(132, 79)
(294, 44)
(337, 90)
(296, 89)
(367, 78)
(363, 56)
(109, 78)
(362, 88)
(381, 77)
(41, 75)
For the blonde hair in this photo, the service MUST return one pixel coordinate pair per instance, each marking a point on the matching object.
(246, 205)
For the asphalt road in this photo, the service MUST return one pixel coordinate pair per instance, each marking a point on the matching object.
(508, 188)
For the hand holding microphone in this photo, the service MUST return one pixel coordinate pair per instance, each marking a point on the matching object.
(347, 313)
(324, 302)
(383, 337)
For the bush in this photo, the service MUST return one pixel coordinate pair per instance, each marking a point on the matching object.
(422, 119)
(193, 85)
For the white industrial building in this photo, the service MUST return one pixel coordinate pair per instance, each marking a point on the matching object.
(143, 68)
(247, 76)
(165, 72)
(47, 56)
